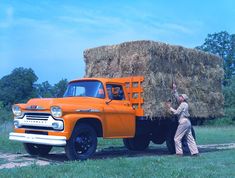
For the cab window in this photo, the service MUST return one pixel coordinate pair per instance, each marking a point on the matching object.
(83, 88)
(115, 92)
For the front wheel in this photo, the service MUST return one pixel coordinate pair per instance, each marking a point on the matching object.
(36, 149)
(82, 143)
(138, 143)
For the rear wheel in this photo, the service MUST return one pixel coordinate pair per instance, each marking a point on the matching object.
(170, 143)
(36, 149)
(82, 144)
(138, 143)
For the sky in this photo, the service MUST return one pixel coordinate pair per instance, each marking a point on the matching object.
(50, 36)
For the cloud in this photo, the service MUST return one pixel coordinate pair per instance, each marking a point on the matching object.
(8, 19)
(177, 27)
(93, 18)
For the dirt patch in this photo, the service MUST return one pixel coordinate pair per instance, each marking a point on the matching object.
(10, 160)
(20, 160)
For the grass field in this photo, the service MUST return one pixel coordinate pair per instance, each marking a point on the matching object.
(211, 163)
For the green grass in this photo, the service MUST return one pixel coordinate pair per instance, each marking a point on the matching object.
(213, 135)
(2, 161)
(211, 163)
(5, 144)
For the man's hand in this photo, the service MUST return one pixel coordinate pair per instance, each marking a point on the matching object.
(174, 86)
(168, 105)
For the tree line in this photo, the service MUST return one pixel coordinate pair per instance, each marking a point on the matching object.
(223, 45)
(19, 86)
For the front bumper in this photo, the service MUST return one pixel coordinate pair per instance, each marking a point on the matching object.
(38, 139)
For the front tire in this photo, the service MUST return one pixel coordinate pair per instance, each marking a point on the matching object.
(36, 149)
(138, 143)
(82, 143)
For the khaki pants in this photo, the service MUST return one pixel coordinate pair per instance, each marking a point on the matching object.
(184, 129)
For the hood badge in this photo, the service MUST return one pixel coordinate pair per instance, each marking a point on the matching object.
(87, 110)
(34, 107)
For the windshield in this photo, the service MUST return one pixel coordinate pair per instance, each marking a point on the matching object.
(85, 89)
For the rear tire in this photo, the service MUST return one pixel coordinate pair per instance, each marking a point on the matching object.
(138, 143)
(36, 149)
(82, 143)
(170, 134)
(170, 143)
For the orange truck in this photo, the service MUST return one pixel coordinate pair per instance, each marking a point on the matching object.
(90, 108)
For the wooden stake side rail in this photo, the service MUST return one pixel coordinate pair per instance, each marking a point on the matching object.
(135, 92)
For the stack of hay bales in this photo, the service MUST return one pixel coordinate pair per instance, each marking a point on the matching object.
(196, 73)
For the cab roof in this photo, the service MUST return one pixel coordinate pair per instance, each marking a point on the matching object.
(103, 80)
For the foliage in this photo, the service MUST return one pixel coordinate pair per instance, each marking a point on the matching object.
(43, 90)
(60, 88)
(46, 90)
(5, 114)
(229, 96)
(17, 87)
(229, 93)
(222, 44)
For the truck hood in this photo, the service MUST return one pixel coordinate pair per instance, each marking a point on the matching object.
(68, 104)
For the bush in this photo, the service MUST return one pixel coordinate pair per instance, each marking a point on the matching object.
(225, 121)
(5, 115)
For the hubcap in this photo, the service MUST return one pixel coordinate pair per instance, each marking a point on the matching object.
(82, 143)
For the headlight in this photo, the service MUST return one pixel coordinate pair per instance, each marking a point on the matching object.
(56, 111)
(16, 110)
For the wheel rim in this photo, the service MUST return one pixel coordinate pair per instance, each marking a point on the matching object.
(83, 143)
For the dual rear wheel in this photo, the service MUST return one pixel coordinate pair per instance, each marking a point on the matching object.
(138, 143)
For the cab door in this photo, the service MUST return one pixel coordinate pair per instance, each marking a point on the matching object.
(119, 115)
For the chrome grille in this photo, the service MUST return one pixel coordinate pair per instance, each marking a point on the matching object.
(37, 116)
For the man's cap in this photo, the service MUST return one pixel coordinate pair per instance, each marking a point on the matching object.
(184, 96)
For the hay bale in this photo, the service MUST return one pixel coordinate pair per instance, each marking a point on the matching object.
(196, 73)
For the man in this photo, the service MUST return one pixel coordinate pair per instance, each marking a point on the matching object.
(184, 127)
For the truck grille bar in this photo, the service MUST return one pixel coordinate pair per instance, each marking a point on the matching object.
(37, 116)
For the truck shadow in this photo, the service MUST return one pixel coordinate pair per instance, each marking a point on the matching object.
(117, 152)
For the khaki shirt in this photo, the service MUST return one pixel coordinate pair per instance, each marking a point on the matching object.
(182, 110)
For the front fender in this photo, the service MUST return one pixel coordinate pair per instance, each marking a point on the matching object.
(70, 121)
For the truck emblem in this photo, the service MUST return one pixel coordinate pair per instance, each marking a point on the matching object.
(34, 107)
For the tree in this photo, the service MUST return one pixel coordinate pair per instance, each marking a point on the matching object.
(17, 87)
(59, 88)
(229, 97)
(223, 45)
(44, 90)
